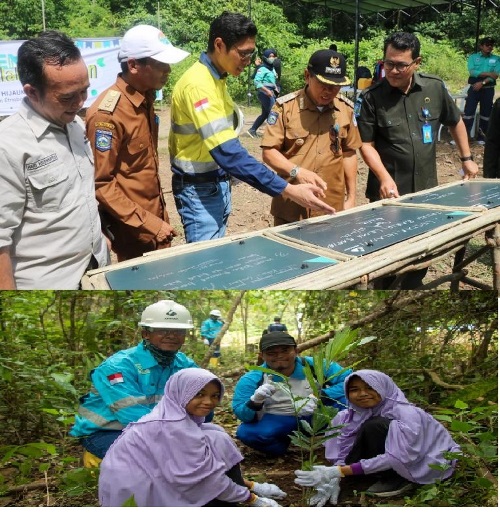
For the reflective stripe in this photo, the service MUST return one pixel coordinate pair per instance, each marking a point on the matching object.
(98, 420)
(216, 126)
(190, 167)
(129, 401)
(184, 129)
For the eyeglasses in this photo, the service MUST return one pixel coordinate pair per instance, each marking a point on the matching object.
(248, 55)
(165, 332)
(400, 67)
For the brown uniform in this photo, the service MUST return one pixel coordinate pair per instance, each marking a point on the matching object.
(302, 133)
(123, 132)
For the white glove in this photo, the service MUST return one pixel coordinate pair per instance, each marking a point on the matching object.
(269, 490)
(205, 341)
(319, 475)
(307, 408)
(263, 392)
(264, 502)
(326, 493)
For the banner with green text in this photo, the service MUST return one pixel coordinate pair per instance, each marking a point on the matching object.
(100, 55)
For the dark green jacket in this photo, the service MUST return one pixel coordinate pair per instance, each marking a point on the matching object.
(491, 161)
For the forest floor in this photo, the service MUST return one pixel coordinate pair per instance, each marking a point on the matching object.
(251, 208)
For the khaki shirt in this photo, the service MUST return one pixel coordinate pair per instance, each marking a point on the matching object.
(48, 217)
(301, 132)
(123, 132)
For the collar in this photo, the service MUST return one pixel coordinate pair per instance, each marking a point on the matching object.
(146, 358)
(205, 60)
(134, 96)
(38, 124)
(305, 103)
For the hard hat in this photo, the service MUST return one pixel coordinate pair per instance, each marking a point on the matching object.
(238, 119)
(215, 313)
(166, 314)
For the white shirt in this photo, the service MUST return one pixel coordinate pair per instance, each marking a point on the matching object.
(48, 210)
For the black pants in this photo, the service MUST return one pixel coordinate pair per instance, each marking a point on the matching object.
(370, 442)
(235, 475)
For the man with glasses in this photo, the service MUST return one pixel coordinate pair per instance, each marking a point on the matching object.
(399, 120)
(311, 137)
(204, 148)
(267, 411)
(129, 384)
(123, 130)
(484, 68)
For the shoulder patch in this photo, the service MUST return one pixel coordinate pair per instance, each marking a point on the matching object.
(109, 102)
(288, 97)
(103, 139)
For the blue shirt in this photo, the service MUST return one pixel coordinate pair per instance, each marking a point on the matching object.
(210, 328)
(125, 387)
(333, 393)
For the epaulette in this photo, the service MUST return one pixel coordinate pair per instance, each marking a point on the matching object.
(109, 102)
(346, 99)
(288, 97)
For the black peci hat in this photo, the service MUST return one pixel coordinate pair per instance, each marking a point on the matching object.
(329, 67)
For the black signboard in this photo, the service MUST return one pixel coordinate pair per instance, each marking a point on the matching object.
(467, 194)
(251, 263)
(367, 231)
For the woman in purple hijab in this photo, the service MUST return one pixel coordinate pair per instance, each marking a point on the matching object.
(171, 458)
(382, 434)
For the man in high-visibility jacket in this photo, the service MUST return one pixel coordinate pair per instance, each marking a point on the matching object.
(128, 384)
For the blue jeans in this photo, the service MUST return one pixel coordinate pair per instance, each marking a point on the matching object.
(204, 208)
(270, 434)
(266, 104)
(99, 442)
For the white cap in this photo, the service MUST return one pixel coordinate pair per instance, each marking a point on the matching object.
(146, 41)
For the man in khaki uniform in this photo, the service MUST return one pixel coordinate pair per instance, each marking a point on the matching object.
(311, 137)
(123, 130)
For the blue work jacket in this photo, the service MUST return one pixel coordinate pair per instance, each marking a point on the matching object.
(245, 387)
(125, 387)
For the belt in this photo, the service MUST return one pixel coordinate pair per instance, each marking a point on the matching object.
(202, 178)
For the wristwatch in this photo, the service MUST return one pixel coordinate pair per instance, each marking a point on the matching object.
(466, 158)
(294, 172)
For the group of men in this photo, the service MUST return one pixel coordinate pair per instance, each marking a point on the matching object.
(129, 384)
(50, 226)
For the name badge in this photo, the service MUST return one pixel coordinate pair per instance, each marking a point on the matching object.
(427, 133)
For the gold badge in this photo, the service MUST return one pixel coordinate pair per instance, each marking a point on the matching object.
(334, 61)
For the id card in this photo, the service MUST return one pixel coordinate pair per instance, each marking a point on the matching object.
(427, 133)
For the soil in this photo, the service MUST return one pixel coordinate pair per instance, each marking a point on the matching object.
(251, 208)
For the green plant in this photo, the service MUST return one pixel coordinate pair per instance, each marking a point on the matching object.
(311, 435)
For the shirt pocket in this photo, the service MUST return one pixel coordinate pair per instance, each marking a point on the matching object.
(392, 128)
(48, 190)
(294, 141)
(138, 145)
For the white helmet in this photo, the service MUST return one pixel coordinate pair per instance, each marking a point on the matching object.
(166, 314)
(215, 313)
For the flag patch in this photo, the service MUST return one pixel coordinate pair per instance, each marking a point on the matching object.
(115, 378)
(202, 104)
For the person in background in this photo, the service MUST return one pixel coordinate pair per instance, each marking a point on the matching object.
(50, 231)
(268, 413)
(484, 68)
(172, 458)
(266, 84)
(205, 151)
(210, 328)
(399, 120)
(129, 384)
(123, 130)
(276, 325)
(381, 434)
(311, 137)
(491, 159)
